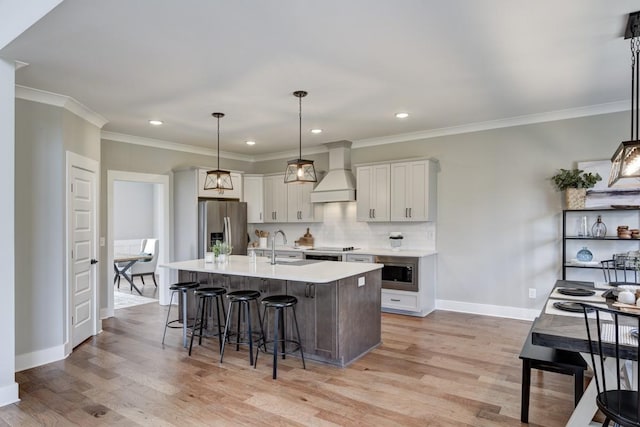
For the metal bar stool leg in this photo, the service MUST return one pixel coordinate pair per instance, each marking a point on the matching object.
(295, 321)
(275, 343)
(166, 323)
(226, 330)
(184, 319)
(250, 337)
(200, 302)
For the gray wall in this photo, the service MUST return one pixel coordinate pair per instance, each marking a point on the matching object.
(133, 210)
(43, 134)
(499, 218)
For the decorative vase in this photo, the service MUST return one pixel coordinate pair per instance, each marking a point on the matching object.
(599, 230)
(575, 197)
(209, 257)
(584, 255)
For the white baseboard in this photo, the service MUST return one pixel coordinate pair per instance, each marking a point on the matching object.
(9, 394)
(488, 309)
(40, 357)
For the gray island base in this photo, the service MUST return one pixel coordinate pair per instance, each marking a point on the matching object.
(338, 302)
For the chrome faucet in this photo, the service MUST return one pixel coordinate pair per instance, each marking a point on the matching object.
(273, 245)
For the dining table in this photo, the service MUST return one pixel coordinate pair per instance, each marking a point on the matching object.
(567, 331)
(122, 264)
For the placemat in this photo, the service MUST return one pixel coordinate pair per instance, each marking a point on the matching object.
(608, 332)
(550, 309)
(597, 297)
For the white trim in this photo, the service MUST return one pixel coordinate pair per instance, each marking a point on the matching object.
(9, 394)
(488, 309)
(66, 102)
(550, 116)
(40, 357)
(76, 160)
(571, 113)
(165, 238)
(169, 145)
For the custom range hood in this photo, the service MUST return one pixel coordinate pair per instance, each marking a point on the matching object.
(339, 185)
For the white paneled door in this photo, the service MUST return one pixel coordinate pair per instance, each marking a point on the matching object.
(83, 276)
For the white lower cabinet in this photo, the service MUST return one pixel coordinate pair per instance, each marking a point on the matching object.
(400, 300)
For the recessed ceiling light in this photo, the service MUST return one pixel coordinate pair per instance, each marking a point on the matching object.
(316, 130)
(155, 122)
(402, 115)
(250, 142)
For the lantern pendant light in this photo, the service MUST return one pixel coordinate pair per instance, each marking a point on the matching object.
(300, 170)
(625, 162)
(218, 179)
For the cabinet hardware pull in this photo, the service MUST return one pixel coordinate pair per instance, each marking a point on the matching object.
(374, 212)
(395, 300)
(409, 212)
(260, 216)
(406, 212)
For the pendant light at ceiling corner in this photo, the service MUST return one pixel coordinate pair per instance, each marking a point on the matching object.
(625, 162)
(300, 170)
(218, 179)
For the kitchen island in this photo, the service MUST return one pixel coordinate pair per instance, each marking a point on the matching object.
(338, 303)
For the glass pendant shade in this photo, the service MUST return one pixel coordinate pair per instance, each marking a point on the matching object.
(218, 179)
(300, 170)
(625, 163)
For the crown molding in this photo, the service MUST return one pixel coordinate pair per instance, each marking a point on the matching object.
(169, 145)
(572, 113)
(66, 102)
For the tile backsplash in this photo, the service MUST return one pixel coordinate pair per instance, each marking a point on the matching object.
(340, 228)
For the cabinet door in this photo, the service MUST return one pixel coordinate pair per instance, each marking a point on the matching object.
(380, 191)
(364, 181)
(326, 303)
(306, 314)
(254, 196)
(400, 194)
(413, 192)
(300, 208)
(275, 198)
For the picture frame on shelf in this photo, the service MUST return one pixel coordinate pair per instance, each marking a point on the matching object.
(621, 196)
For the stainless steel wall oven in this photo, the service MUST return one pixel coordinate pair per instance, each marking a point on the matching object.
(400, 273)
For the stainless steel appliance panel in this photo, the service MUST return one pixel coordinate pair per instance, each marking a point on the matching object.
(400, 273)
(224, 221)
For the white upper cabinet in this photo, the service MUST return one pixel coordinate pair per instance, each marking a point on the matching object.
(300, 208)
(373, 185)
(275, 199)
(254, 196)
(236, 193)
(413, 191)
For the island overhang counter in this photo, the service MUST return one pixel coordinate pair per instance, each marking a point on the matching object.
(338, 308)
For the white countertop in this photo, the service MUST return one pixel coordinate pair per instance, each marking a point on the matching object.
(363, 251)
(241, 265)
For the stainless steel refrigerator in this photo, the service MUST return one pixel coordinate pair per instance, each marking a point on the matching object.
(224, 221)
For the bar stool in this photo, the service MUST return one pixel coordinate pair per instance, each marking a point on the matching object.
(177, 288)
(206, 297)
(279, 303)
(241, 300)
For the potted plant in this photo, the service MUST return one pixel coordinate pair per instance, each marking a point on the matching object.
(221, 250)
(574, 183)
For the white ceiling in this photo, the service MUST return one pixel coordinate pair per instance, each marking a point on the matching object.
(446, 62)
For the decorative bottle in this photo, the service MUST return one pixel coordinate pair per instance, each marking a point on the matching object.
(584, 255)
(599, 230)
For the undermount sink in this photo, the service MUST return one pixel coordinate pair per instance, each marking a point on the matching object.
(297, 262)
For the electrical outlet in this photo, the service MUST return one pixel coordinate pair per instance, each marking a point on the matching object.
(532, 293)
(360, 281)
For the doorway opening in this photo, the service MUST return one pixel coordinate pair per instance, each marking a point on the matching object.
(137, 208)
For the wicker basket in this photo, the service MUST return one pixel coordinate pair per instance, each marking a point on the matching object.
(575, 197)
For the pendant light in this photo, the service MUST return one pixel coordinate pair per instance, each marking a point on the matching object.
(625, 162)
(218, 179)
(300, 170)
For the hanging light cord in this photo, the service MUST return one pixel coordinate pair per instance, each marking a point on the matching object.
(218, 117)
(635, 79)
(300, 125)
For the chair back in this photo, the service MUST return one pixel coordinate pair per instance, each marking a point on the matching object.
(613, 344)
(148, 246)
(621, 270)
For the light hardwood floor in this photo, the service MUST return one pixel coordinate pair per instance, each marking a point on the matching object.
(448, 369)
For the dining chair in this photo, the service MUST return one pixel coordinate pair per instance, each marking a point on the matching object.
(144, 268)
(613, 341)
(621, 270)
